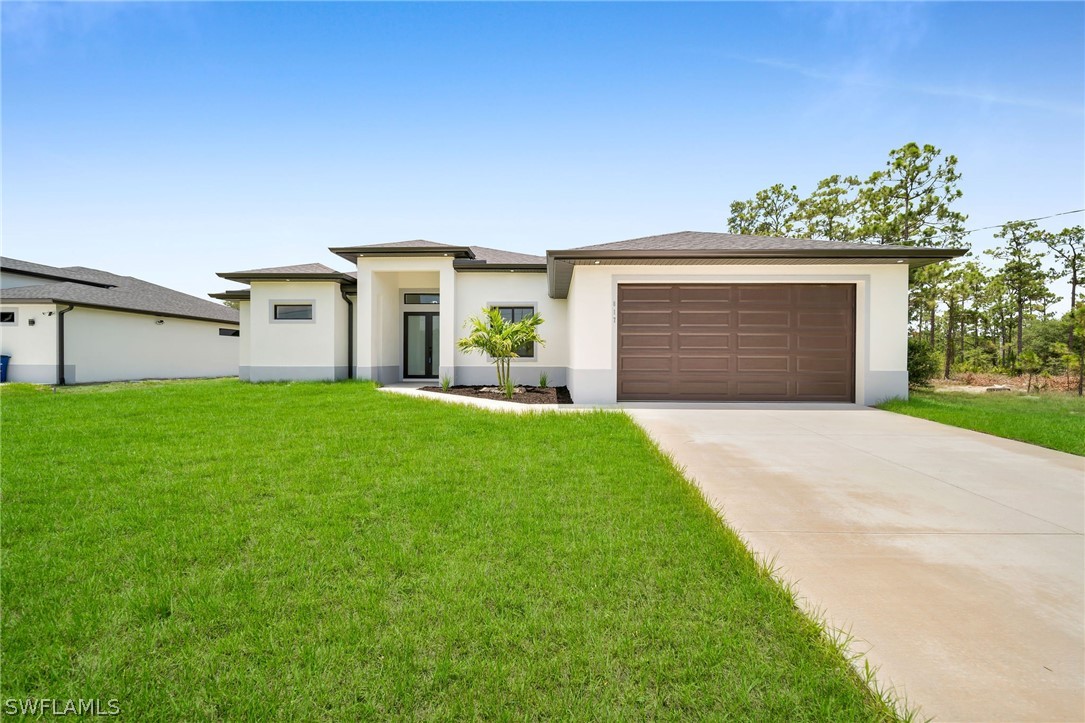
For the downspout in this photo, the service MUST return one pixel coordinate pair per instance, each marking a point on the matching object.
(60, 344)
(350, 335)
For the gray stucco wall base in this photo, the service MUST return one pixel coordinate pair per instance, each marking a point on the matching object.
(592, 386)
(884, 385)
(36, 373)
(527, 375)
(292, 374)
(383, 375)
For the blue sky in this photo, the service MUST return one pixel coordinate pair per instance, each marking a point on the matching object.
(171, 141)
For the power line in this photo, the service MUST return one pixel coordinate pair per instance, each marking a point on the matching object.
(1026, 220)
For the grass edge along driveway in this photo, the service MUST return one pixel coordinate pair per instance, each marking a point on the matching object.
(1055, 421)
(216, 549)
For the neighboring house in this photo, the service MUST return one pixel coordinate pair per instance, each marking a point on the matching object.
(72, 325)
(687, 316)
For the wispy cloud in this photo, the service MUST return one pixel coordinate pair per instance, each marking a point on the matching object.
(863, 78)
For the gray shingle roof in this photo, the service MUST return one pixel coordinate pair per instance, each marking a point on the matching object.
(497, 256)
(123, 293)
(415, 244)
(299, 269)
(69, 273)
(711, 241)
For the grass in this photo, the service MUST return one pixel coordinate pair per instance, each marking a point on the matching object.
(220, 550)
(1056, 421)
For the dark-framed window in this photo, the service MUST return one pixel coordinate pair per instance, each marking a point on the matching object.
(519, 313)
(229, 332)
(293, 312)
(8, 318)
(421, 298)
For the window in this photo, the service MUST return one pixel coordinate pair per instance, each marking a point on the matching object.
(7, 318)
(229, 332)
(421, 298)
(519, 313)
(293, 312)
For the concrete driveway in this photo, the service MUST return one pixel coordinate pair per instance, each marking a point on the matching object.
(955, 558)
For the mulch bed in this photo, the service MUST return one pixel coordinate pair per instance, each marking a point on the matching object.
(523, 395)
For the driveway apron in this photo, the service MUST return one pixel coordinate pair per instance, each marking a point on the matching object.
(955, 558)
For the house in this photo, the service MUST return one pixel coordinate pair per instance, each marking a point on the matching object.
(74, 324)
(688, 316)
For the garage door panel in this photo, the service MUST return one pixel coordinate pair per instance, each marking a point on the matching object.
(701, 385)
(764, 341)
(762, 388)
(822, 365)
(687, 318)
(704, 364)
(692, 340)
(740, 342)
(645, 341)
(822, 342)
(647, 317)
(709, 295)
(823, 319)
(764, 363)
(835, 295)
(645, 292)
(645, 363)
(766, 295)
(645, 385)
(781, 318)
(813, 389)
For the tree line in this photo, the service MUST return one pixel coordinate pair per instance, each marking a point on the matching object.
(973, 315)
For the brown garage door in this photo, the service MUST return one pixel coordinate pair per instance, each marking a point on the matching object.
(736, 342)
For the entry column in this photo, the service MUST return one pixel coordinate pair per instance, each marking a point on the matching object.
(448, 322)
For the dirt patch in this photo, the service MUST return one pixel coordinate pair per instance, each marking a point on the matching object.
(523, 395)
(977, 381)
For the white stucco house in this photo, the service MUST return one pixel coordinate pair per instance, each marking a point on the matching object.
(689, 316)
(75, 325)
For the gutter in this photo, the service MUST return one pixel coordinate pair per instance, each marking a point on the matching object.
(60, 345)
(350, 335)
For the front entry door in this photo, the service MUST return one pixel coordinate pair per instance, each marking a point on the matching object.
(421, 344)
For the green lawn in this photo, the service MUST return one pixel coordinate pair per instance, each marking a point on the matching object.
(315, 551)
(1050, 420)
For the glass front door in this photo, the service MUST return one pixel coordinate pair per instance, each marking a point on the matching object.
(421, 344)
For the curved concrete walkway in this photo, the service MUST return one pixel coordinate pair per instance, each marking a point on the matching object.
(955, 558)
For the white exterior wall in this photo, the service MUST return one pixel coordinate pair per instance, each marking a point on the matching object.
(106, 346)
(296, 350)
(476, 289)
(881, 324)
(244, 352)
(33, 349)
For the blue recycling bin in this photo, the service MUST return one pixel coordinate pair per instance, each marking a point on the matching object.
(4, 359)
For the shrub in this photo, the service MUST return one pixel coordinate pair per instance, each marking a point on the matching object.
(922, 364)
(543, 379)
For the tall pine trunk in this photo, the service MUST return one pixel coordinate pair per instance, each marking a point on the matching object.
(949, 338)
(1020, 325)
(1073, 302)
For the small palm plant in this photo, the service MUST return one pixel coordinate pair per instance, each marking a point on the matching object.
(496, 337)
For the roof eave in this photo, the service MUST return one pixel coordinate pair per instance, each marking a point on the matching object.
(560, 263)
(235, 295)
(860, 253)
(123, 309)
(351, 253)
(245, 278)
(467, 266)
